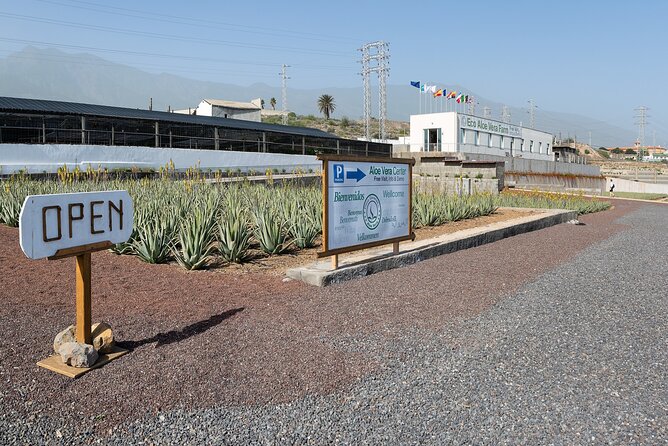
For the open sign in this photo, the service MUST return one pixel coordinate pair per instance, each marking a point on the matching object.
(50, 224)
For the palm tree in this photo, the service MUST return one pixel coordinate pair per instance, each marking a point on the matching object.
(262, 103)
(272, 102)
(326, 105)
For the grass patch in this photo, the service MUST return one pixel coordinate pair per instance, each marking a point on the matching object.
(639, 195)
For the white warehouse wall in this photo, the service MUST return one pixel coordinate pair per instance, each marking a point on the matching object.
(471, 134)
(39, 158)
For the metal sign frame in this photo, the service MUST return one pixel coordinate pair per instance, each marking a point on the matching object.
(326, 158)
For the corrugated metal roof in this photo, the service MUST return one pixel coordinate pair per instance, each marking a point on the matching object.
(23, 105)
(232, 104)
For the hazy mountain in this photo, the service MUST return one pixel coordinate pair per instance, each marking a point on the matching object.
(53, 74)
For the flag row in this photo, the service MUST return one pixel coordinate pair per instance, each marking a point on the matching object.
(461, 98)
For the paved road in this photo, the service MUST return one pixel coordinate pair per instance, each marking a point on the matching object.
(577, 354)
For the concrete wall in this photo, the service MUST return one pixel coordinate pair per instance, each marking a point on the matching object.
(516, 164)
(458, 186)
(555, 182)
(39, 158)
(636, 186)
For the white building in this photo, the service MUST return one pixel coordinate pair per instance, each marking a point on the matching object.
(460, 133)
(218, 108)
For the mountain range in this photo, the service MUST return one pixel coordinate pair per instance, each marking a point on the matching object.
(57, 75)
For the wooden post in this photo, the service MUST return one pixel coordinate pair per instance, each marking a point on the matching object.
(395, 248)
(83, 321)
(335, 261)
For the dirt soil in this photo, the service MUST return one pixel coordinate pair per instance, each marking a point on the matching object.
(206, 338)
(278, 265)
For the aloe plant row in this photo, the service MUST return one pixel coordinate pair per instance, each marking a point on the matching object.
(196, 223)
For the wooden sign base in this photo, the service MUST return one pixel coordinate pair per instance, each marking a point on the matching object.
(83, 316)
(55, 363)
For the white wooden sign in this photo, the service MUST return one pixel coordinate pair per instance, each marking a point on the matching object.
(368, 202)
(51, 223)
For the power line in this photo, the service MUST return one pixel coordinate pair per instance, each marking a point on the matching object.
(163, 55)
(378, 52)
(505, 114)
(641, 117)
(532, 114)
(284, 93)
(170, 37)
(167, 18)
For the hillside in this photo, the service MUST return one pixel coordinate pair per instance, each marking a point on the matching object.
(57, 75)
(344, 127)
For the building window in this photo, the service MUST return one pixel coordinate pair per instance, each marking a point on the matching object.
(477, 138)
(489, 140)
(463, 136)
(540, 147)
(548, 148)
(531, 146)
(522, 146)
(501, 142)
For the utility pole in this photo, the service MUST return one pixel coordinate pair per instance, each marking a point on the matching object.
(505, 114)
(375, 59)
(641, 121)
(284, 93)
(486, 112)
(532, 114)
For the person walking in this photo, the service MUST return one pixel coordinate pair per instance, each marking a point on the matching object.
(612, 187)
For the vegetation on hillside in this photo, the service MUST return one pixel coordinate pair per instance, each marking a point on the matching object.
(326, 105)
(343, 127)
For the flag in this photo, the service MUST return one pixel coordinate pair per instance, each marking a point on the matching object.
(415, 84)
(452, 94)
(428, 88)
(439, 92)
(469, 100)
(460, 98)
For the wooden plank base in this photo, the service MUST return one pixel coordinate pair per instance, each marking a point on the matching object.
(55, 363)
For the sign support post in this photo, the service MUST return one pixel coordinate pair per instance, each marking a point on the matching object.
(75, 225)
(83, 326)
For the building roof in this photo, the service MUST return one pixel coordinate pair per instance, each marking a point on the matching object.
(23, 105)
(232, 104)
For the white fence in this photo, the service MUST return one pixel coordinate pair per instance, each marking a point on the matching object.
(47, 158)
(635, 186)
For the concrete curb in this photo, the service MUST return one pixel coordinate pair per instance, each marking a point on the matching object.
(371, 262)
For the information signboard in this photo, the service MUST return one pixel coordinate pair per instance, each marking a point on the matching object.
(367, 202)
(51, 224)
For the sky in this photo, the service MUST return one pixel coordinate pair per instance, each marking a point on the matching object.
(601, 59)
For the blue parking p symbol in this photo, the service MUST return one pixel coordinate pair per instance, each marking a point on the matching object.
(338, 173)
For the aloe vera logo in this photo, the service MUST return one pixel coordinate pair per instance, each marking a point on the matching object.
(371, 211)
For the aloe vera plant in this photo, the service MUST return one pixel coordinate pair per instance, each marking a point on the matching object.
(270, 232)
(234, 236)
(303, 230)
(196, 239)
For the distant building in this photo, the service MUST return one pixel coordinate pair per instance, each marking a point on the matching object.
(454, 133)
(41, 136)
(218, 108)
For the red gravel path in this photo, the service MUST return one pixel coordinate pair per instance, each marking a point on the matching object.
(202, 338)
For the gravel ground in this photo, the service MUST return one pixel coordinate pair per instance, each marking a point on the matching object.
(554, 337)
